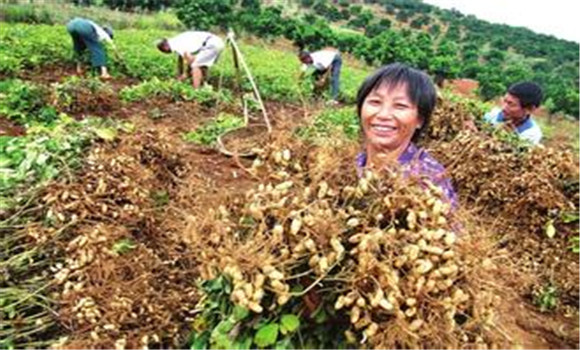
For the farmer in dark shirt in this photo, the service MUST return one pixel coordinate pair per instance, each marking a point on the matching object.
(88, 35)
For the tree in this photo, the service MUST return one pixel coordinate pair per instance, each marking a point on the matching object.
(403, 16)
(83, 2)
(377, 28)
(495, 57)
(132, 5)
(355, 10)
(385, 22)
(516, 71)
(391, 10)
(312, 36)
(415, 23)
(490, 83)
(389, 47)
(324, 9)
(445, 63)
(423, 44)
(563, 92)
(435, 29)
(253, 5)
(362, 19)
(347, 42)
(267, 23)
(345, 13)
(420, 21)
(471, 69)
(500, 43)
(453, 32)
(204, 14)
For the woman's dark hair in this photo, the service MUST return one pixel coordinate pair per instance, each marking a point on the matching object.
(420, 90)
(530, 94)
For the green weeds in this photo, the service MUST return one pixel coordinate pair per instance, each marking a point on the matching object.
(223, 325)
(45, 152)
(331, 120)
(174, 90)
(208, 133)
(25, 102)
(546, 299)
(59, 12)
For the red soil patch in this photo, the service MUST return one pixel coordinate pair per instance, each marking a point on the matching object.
(465, 87)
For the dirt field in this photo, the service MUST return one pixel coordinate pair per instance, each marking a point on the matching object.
(145, 186)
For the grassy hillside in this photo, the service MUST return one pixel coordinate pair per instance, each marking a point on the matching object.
(496, 55)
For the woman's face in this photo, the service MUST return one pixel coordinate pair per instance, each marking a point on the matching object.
(389, 118)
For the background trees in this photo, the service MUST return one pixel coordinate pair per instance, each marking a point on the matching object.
(445, 43)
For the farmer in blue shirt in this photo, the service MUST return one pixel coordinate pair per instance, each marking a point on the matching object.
(518, 104)
(87, 35)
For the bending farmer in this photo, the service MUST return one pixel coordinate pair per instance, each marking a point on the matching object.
(325, 62)
(199, 50)
(86, 34)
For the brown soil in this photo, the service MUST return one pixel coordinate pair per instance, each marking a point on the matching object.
(141, 187)
(57, 73)
(530, 329)
(464, 87)
(244, 141)
(10, 128)
(564, 132)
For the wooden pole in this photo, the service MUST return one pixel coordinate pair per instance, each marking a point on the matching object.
(239, 56)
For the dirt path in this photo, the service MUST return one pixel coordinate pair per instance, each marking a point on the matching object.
(530, 329)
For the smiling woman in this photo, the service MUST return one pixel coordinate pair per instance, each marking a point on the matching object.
(394, 106)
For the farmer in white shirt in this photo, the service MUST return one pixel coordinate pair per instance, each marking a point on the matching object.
(199, 50)
(86, 34)
(324, 62)
(520, 101)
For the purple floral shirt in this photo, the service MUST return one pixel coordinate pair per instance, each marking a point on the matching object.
(417, 162)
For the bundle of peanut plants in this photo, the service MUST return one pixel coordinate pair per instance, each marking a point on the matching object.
(320, 256)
